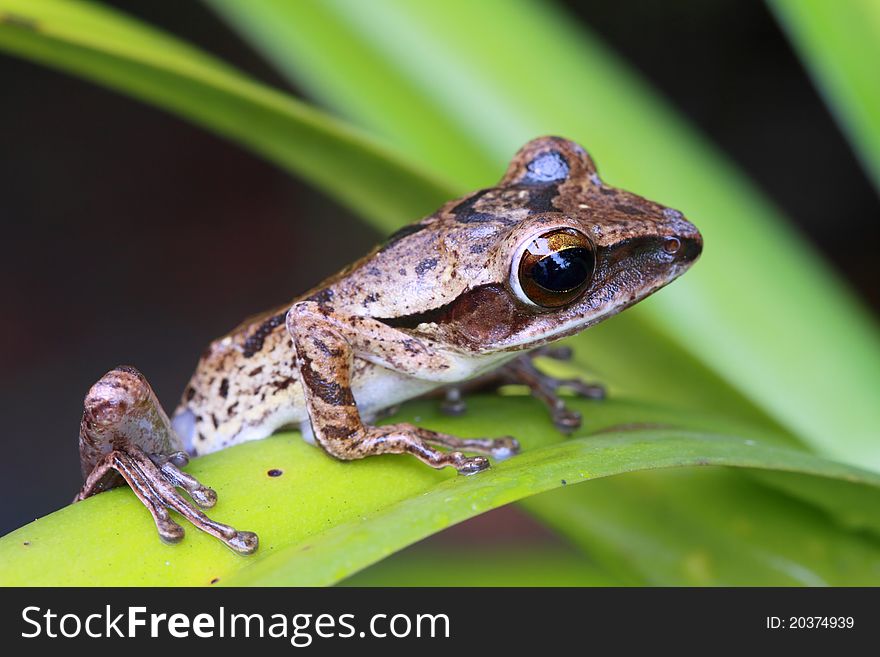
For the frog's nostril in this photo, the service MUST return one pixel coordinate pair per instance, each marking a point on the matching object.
(672, 245)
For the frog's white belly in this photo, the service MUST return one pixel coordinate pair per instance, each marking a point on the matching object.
(375, 388)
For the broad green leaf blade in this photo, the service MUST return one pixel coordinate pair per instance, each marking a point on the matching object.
(839, 43)
(341, 67)
(839, 503)
(748, 310)
(483, 567)
(323, 520)
(708, 528)
(325, 558)
(107, 47)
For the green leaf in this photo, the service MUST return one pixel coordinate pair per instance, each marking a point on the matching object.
(106, 47)
(323, 520)
(710, 528)
(839, 42)
(748, 310)
(453, 566)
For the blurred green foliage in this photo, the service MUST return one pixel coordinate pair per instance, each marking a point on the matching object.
(441, 102)
(840, 45)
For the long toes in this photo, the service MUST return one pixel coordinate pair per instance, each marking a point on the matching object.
(180, 459)
(169, 531)
(202, 495)
(504, 448)
(205, 497)
(588, 390)
(244, 542)
(566, 420)
(472, 465)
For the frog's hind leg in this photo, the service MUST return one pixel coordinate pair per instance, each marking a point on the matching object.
(522, 371)
(126, 437)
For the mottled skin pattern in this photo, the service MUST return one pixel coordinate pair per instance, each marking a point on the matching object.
(440, 302)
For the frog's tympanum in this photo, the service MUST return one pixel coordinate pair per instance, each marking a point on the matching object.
(465, 296)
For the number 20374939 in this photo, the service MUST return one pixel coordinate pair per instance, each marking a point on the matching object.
(810, 622)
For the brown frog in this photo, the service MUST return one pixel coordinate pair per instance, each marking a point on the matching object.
(468, 294)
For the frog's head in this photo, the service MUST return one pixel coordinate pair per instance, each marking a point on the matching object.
(573, 251)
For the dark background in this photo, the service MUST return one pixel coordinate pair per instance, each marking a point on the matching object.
(130, 236)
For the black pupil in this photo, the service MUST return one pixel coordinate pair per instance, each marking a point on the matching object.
(564, 270)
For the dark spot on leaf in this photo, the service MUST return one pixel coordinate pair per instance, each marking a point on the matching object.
(564, 482)
(275, 472)
(215, 580)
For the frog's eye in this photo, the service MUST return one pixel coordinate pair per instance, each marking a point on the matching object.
(554, 268)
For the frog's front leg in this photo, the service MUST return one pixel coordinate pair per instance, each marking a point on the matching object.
(325, 347)
(522, 371)
(126, 437)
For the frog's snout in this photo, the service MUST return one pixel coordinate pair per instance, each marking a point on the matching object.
(684, 249)
(685, 243)
(691, 249)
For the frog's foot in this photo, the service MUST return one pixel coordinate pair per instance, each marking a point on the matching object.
(126, 438)
(409, 439)
(155, 479)
(544, 387)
